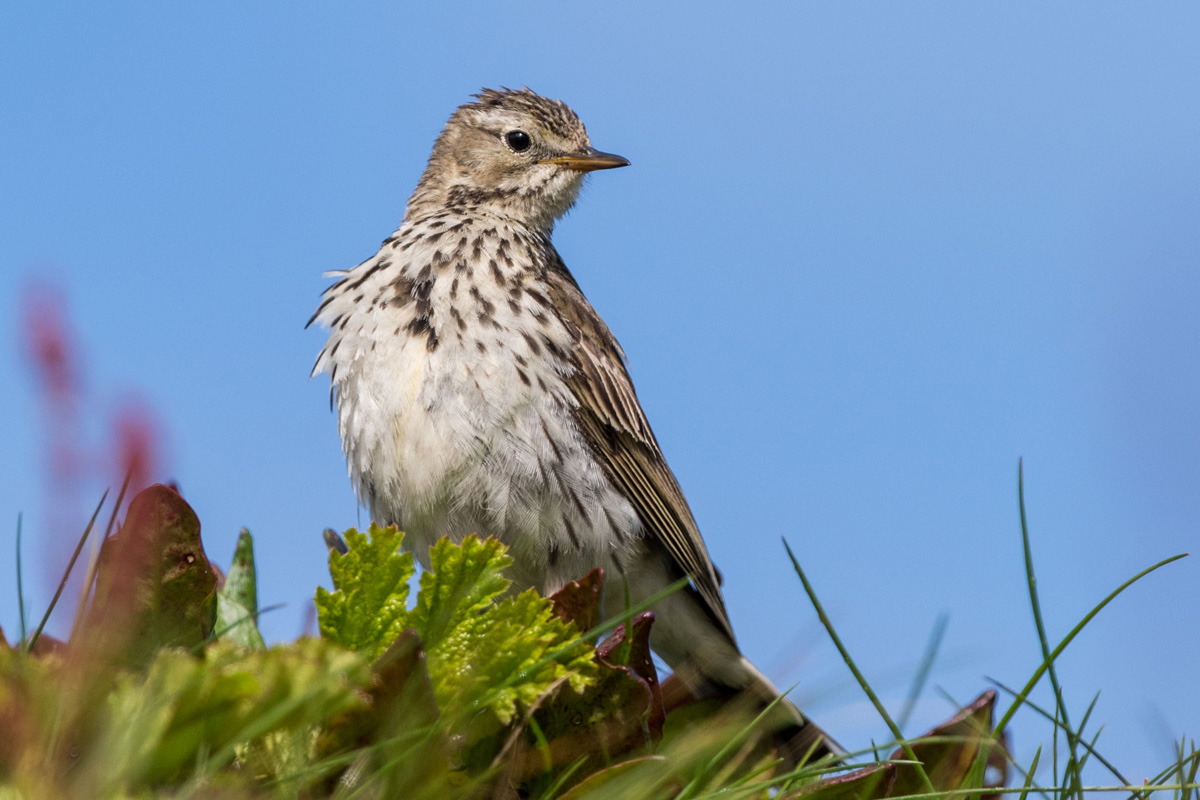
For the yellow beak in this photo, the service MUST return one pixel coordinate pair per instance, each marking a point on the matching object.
(588, 159)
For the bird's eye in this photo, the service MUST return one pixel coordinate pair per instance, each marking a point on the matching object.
(518, 140)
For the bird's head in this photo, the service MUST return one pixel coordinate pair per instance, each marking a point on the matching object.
(513, 153)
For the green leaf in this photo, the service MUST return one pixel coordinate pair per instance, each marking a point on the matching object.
(482, 652)
(461, 581)
(498, 659)
(236, 624)
(241, 581)
(237, 600)
(367, 609)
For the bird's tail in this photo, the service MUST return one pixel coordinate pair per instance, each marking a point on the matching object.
(797, 739)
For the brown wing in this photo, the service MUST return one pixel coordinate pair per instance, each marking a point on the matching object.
(613, 422)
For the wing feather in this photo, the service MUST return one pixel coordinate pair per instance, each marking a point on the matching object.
(612, 420)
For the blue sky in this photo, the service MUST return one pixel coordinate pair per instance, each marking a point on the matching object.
(867, 256)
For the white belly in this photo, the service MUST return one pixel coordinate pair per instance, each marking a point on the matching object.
(477, 436)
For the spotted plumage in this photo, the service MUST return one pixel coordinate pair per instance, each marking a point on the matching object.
(478, 391)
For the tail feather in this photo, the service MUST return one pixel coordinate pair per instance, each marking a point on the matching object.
(706, 661)
(797, 739)
(805, 743)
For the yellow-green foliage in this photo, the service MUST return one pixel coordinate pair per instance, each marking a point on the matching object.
(481, 651)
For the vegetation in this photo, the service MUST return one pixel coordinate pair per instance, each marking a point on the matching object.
(166, 689)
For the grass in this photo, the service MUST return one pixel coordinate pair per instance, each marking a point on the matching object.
(269, 754)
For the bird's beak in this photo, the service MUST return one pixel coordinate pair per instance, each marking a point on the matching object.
(588, 159)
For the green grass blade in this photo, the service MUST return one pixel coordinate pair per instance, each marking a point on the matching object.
(689, 791)
(1049, 659)
(67, 572)
(1116, 773)
(1089, 749)
(1174, 767)
(1182, 761)
(1070, 637)
(918, 683)
(862, 681)
(20, 584)
(251, 617)
(90, 575)
(1029, 775)
(1039, 623)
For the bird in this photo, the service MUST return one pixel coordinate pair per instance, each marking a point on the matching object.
(479, 392)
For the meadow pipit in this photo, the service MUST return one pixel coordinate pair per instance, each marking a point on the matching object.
(479, 392)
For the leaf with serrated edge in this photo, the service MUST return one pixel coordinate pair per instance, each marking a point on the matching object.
(367, 609)
(462, 580)
(477, 660)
